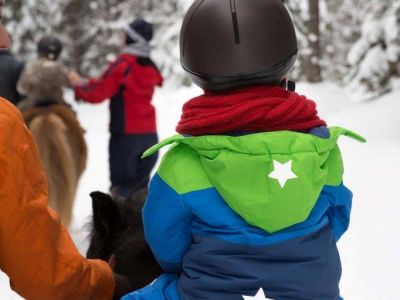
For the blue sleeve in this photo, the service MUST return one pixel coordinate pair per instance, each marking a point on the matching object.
(167, 225)
(340, 197)
(339, 212)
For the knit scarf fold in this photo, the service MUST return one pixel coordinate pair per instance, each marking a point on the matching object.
(142, 49)
(256, 109)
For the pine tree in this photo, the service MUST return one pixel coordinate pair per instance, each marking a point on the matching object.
(306, 17)
(79, 31)
(91, 30)
(339, 27)
(27, 21)
(375, 57)
(313, 58)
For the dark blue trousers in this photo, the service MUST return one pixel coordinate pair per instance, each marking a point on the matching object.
(127, 169)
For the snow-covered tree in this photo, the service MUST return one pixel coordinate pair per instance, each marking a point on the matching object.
(80, 28)
(91, 30)
(375, 57)
(27, 21)
(323, 45)
(327, 31)
(313, 59)
(340, 28)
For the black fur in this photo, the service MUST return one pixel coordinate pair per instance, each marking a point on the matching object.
(118, 230)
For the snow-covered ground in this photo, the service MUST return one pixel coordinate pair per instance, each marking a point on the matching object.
(370, 251)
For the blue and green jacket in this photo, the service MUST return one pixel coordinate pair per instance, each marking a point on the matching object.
(227, 216)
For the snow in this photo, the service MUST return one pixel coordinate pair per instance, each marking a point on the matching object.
(372, 30)
(391, 28)
(371, 72)
(357, 52)
(370, 250)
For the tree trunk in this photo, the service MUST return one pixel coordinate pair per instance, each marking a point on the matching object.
(312, 59)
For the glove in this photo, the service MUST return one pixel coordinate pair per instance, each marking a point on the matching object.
(122, 286)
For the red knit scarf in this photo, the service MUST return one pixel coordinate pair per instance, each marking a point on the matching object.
(255, 109)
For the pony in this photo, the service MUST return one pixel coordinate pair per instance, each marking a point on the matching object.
(117, 237)
(63, 153)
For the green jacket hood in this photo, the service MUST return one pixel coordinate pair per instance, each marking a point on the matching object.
(271, 179)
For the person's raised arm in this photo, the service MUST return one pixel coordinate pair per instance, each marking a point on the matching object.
(98, 90)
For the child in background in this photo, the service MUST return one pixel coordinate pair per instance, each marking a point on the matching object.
(43, 81)
(249, 202)
(129, 82)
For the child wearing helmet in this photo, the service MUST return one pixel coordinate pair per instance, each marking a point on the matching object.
(44, 80)
(249, 202)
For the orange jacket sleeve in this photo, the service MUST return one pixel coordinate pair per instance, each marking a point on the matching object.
(36, 251)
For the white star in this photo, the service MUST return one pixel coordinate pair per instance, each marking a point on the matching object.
(259, 296)
(282, 172)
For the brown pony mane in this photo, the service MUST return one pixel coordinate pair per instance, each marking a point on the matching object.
(62, 151)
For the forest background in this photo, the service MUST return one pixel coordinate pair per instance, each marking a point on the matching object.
(355, 43)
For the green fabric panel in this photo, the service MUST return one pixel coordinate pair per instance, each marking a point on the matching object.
(243, 181)
(276, 142)
(334, 167)
(240, 169)
(181, 169)
(162, 144)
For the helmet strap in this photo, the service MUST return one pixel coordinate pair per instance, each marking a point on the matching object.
(291, 86)
(288, 85)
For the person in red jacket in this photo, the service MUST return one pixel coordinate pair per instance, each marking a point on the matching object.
(129, 83)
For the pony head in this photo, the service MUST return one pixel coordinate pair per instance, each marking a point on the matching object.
(117, 237)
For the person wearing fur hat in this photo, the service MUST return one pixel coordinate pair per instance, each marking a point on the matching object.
(44, 80)
(249, 202)
(129, 82)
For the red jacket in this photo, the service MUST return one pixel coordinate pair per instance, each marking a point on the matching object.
(129, 82)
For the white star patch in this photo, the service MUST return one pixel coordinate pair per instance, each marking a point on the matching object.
(282, 172)
(259, 296)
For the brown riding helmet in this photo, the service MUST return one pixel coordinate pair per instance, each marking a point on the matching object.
(229, 44)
